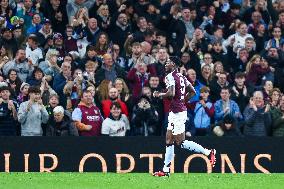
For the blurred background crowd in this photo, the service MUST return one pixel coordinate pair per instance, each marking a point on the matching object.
(90, 67)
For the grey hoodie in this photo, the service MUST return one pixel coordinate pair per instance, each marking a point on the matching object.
(31, 120)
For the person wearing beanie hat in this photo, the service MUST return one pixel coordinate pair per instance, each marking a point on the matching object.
(61, 124)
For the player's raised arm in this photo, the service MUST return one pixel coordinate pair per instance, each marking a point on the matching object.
(170, 83)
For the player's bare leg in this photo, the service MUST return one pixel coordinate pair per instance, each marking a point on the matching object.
(169, 155)
(193, 146)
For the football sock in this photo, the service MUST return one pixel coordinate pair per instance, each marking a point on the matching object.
(169, 155)
(192, 146)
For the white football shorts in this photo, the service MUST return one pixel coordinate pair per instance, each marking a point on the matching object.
(176, 122)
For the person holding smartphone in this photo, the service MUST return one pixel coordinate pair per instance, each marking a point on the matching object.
(32, 114)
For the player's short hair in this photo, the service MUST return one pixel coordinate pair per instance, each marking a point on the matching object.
(176, 60)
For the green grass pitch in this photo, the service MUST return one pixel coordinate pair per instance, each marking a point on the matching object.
(138, 181)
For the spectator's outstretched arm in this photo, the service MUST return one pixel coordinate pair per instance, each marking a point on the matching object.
(77, 117)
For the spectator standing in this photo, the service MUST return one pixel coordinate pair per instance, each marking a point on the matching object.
(217, 85)
(60, 81)
(23, 67)
(240, 92)
(32, 114)
(61, 124)
(8, 113)
(227, 128)
(257, 117)
(87, 116)
(203, 111)
(277, 115)
(116, 124)
(109, 70)
(144, 118)
(226, 106)
(113, 97)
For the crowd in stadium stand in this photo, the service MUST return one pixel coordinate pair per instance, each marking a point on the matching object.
(90, 67)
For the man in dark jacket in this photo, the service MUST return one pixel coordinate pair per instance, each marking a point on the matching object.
(145, 118)
(8, 113)
(61, 124)
(257, 117)
(109, 70)
(60, 81)
(120, 30)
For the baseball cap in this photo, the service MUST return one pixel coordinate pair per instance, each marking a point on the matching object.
(46, 21)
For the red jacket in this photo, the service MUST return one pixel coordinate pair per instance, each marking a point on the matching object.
(106, 107)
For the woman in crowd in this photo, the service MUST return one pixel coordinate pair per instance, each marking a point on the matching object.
(206, 75)
(5, 56)
(123, 90)
(36, 77)
(49, 66)
(257, 71)
(102, 44)
(103, 89)
(24, 93)
(275, 96)
(14, 83)
(103, 17)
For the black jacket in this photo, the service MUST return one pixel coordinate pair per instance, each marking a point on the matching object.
(64, 128)
(144, 121)
(100, 75)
